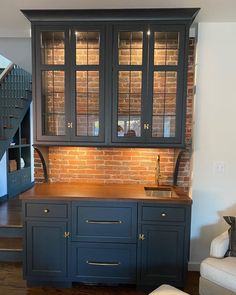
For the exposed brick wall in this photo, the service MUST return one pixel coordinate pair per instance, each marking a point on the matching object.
(184, 169)
(38, 169)
(108, 165)
(123, 165)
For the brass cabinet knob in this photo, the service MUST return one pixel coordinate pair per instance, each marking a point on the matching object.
(141, 237)
(46, 210)
(146, 126)
(66, 234)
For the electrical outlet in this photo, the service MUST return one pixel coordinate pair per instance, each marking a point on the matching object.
(219, 167)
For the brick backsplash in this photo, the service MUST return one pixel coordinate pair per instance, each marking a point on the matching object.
(122, 165)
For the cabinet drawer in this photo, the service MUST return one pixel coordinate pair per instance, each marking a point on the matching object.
(103, 262)
(163, 213)
(46, 210)
(104, 221)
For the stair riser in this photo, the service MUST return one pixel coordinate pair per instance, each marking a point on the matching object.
(11, 232)
(11, 256)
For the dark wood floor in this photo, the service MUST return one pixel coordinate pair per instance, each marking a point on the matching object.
(11, 277)
(11, 283)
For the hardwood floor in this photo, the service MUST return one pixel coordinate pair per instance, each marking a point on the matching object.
(11, 274)
(11, 283)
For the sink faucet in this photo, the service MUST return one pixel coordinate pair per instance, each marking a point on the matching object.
(158, 170)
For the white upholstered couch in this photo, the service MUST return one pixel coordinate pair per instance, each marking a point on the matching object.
(218, 273)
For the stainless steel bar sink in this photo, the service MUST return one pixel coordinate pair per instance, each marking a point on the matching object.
(159, 192)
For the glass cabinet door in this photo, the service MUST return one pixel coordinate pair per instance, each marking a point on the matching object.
(148, 70)
(165, 85)
(88, 108)
(129, 72)
(52, 72)
(53, 103)
(52, 47)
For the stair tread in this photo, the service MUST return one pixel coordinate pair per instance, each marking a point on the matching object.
(11, 244)
(11, 220)
(11, 225)
(10, 213)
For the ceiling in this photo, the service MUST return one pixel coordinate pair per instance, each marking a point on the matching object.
(14, 24)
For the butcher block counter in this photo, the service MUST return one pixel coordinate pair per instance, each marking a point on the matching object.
(92, 191)
(105, 234)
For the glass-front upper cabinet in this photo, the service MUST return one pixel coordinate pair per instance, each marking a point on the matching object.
(148, 82)
(166, 82)
(70, 70)
(52, 81)
(110, 77)
(88, 74)
(129, 76)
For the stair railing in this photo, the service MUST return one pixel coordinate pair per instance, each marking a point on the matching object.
(6, 71)
(15, 98)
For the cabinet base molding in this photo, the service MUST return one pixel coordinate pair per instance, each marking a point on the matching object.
(54, 284)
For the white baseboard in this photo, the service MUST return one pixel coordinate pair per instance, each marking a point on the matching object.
(193, 266)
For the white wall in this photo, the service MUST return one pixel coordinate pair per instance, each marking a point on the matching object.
(213, 190)
(3, 176)
(18, 50)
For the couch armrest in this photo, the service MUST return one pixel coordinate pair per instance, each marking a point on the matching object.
(220, 245)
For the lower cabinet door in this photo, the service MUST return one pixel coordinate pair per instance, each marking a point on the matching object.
(46, 250)
(103, 262)
(162, 255)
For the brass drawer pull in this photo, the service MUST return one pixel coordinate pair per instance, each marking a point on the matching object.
(46, 210)
(104, 221)
(101, 263)
(163, 214)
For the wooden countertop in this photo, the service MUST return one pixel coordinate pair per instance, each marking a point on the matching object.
(88, 191)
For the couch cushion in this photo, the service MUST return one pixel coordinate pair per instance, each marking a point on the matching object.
(231, 220)
(220, 271)
(220, 245)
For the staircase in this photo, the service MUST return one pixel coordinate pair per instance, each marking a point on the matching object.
(15, 99)
(11, 231)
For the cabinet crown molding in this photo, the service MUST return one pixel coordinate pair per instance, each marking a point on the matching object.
(186, 15)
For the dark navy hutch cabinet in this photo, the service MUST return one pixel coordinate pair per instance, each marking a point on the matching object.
(108, 78)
